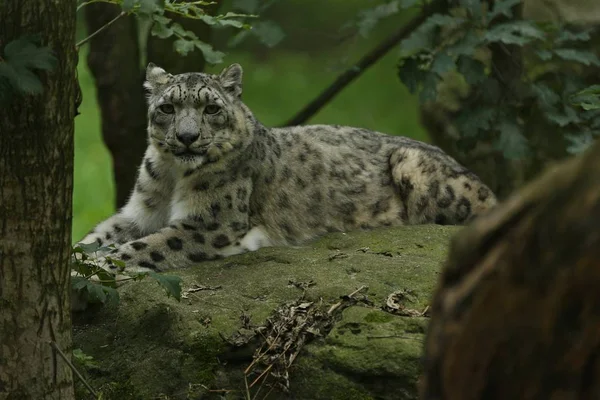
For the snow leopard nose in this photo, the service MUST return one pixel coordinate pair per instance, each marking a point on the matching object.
(188, 137)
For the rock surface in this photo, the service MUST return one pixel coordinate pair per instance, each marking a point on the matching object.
(152, 346)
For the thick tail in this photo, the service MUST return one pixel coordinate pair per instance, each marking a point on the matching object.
(434, 188)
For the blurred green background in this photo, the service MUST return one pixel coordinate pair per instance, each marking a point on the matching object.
(278, 82)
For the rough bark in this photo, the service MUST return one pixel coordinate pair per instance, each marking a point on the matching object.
(114, 60)
(36, 180)
(516, 314)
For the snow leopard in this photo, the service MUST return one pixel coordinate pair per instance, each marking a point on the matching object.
(215, 182)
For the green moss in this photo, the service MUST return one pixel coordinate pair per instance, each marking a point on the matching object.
(161, 346)
(378, 317)
(312, 380)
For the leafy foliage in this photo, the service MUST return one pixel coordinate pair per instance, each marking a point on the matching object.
(18, 65)
(161, 13)
(588, 98)
(460, 42)
(84, 360)
(96, 285)
(268, 32)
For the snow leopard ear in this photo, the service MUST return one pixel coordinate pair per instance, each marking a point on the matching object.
(155, 77)
(231, 79)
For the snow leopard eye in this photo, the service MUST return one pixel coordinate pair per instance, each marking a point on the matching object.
(212, 109)
(167, 108)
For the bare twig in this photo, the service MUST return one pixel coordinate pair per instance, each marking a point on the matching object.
(85, 3)
(394, 337)
(103, 27)
(64, 357)
(356, 70)
(261, 375)
(247, 388)
(339, 303)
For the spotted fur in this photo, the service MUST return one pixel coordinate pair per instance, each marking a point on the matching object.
(215, 182)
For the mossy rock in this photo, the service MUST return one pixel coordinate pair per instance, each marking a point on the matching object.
(152, 346)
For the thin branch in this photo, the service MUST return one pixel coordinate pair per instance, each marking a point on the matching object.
(356, 70)
(79, 7)
(339, 303)
(109, 23)
(64, 357)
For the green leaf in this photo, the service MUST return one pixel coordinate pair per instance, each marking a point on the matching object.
(409, 3)
(183, 46)
(107, 278)
(503, 7)
(268, 32)
(546, 97)
(369, 18)
(559, 118)
(236, 15)
(29, 83)
(568, 36)
(127, 5)
(171, 283)
(473, 70)
(211, 55)
(466, 45)
(24, 53)
(581, 56)
(78, 283)
(422, 37)
(588, 99)
(411, 74)
(161, 19)
(6, 90)
(511, 141)
(119, 263)
(21, 79)
(95, 292)
(82, 267)
(112, 296)
(442, 63)
(429, 89)
(475, 7)
(89, 248)
(208, 19)
(161, 31)
(84, 359)
(471, 122)
(579, 143)
(21, 57)
(544, 55)
(231, 22)
(490, 91)
(514, 32)
(9, 74)
(148, 7)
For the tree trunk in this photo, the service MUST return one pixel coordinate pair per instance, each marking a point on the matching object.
(114, 60)
(516, 314)
(36, 182)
